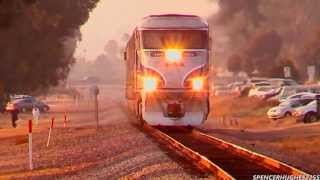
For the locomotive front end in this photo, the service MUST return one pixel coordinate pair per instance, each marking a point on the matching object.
(173, 70)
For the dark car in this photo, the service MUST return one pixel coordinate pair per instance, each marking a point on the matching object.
(17, 97)
(24, 105)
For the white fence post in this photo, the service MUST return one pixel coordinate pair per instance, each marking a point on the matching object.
(30, 145)
(49, 136)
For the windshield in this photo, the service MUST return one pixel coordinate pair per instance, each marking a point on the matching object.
(181, 39)
(293, 104)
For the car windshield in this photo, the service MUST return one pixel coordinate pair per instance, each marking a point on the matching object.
(288, 103)
(286, 92)
(182, 39)
(307, 101)
(296, 103)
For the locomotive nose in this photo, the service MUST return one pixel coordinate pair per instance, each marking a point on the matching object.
(175, 110)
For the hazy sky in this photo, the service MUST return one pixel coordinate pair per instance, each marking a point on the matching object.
(111, 19)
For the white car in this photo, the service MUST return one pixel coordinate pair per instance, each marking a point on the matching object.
(284, 109)
(298, 96)
(262, 92)
(307, 113)
(253, 81)
(282, 82)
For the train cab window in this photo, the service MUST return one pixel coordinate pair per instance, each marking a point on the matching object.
(181, 39)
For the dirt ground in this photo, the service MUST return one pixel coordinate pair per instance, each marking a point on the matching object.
(243, 121)
(119, 149)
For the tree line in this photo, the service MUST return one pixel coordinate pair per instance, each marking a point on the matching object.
(37, 42)
(266, 35)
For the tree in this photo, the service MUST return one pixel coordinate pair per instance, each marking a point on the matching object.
(108, 66)
(277, 71)
(263, 50)
(229, 9)
(234, 64)
(112, 49)
(237, 23)
(38, 39)
(247, 66)
(310, 54)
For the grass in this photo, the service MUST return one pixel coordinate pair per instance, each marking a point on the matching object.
(250, 113)
(240, 107)
(5, 120)
(293, 145)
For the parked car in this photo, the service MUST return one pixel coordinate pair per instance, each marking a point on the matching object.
(262, 92)
(286, 108)
(282, 82)
(291, 90)
(274, 95)
(261, 84)
(16, 97)
(298, 96)
(306, 113)
(24, 105)
(256, 80)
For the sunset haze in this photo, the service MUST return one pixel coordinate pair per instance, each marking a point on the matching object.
(110, 20)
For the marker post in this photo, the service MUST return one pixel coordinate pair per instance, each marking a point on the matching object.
(30, 145)
(95, 92)
(65, 121)
(318, 106)
(96, 110)
(51, 127)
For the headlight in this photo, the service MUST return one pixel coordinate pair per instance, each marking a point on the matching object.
(271, 111)
(173, 55)
(277, 110)
(197, 84)
(150, 84)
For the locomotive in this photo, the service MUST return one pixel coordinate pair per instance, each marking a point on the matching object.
(167, 70)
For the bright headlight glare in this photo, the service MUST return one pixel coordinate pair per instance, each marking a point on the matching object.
(173, 55)
(197, 84)
(150, 84)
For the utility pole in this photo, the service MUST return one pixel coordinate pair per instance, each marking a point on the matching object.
(287, 72)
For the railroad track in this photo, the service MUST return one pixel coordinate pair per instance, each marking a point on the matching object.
(224, 160)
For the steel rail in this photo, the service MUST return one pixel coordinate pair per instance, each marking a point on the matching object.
(223, 159)
(197, 159)
(260, 159)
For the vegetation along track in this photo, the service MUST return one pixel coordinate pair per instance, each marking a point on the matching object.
(223, 159)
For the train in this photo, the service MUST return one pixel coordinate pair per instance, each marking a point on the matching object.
(167, 70)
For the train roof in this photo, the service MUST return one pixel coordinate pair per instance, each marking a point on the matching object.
(173, 21)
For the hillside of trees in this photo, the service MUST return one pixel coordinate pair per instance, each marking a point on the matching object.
(108, 67)
(37, 42)
(266, 35)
